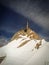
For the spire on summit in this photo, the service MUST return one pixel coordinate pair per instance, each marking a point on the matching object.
(27, 25)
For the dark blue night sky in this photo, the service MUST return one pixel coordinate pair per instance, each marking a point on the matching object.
(11, 22)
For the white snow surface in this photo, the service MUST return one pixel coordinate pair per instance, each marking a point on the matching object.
(27, 54)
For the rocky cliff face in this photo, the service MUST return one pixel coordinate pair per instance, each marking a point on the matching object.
(26, 32)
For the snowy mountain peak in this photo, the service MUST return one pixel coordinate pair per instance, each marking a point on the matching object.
(25, 51)
(25, 48)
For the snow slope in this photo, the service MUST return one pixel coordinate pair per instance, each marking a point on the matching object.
(25, 55)
(41, 57)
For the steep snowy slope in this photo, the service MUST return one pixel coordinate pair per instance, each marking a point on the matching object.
(22, 51)
(41, 57)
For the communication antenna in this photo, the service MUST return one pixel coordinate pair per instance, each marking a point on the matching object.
(27, 25)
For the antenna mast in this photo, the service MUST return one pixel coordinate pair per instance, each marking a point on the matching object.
(27, 25)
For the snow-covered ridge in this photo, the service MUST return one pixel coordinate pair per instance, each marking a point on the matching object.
(26, 54)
